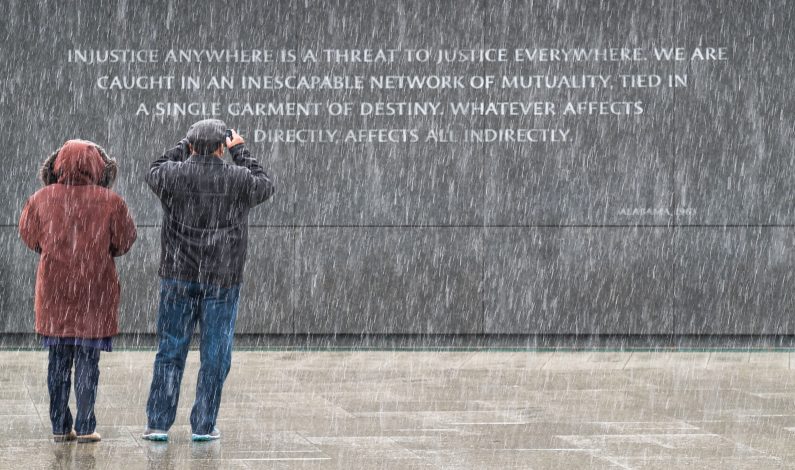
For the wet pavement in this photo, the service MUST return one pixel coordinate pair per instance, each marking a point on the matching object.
(434, 410)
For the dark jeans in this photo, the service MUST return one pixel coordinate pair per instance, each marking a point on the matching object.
(59, 381)
(183, 304)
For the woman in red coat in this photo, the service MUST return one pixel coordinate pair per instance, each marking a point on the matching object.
(77, 225)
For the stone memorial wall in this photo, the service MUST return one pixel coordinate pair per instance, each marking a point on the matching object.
(455, 167)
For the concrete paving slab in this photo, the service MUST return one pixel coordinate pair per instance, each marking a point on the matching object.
(647, 359)
(496, 360)
(587, 361)
(777, 360)
(430, 410)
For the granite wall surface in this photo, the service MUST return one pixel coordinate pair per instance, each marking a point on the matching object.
(678, 221)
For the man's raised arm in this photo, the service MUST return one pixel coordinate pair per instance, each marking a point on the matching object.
(259, 186)
(156, 177)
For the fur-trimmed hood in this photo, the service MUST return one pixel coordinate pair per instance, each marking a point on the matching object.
(49, 175)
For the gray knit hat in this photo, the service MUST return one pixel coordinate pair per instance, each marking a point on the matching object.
(207, 134)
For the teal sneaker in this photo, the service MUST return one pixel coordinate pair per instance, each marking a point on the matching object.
(155, 435)
(216, 434)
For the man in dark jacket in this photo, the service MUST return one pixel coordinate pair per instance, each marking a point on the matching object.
(203, 249)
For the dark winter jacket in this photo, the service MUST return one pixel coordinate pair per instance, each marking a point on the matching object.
(205, 212)
(77, 225)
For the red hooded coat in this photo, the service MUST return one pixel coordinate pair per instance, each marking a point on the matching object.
(77, 227)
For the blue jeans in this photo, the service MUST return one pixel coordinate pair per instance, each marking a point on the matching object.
(59, 381)
(182, 305)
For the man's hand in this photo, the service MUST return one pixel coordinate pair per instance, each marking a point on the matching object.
(185, 147)
(235, 140)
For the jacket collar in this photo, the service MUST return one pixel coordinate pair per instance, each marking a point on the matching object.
(211, 159)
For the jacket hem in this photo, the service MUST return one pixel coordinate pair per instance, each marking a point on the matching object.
(204, 278)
